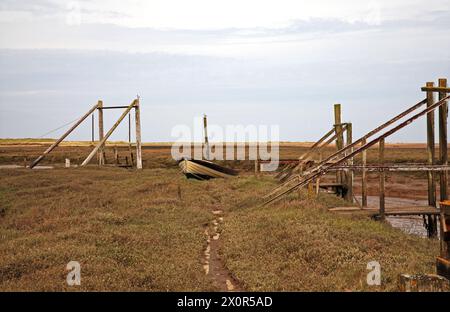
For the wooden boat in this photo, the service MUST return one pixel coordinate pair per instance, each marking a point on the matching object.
(204, 169)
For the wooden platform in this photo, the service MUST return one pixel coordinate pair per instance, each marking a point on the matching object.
(390, 211)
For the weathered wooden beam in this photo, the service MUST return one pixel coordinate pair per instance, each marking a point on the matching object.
(108, 134)
(443, 152)
(442, 89)
(382, 179)
(431, 148)
(137, 117)
(339, 135)
(56, 143)
(101, 134)
(112, 107)
(364, 176)
(393, 168)
(349, 174)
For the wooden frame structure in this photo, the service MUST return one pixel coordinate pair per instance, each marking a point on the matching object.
(343, 184)
(99, 148)
(339, 160)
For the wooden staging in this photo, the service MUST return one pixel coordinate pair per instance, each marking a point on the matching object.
(389, 211)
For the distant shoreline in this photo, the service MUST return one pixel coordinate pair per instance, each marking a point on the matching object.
(39, 142)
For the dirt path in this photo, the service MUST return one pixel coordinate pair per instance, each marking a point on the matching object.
(213, 263)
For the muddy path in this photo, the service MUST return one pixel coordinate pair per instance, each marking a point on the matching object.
(214, 264)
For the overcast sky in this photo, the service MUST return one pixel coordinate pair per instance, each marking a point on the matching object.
(241, 62)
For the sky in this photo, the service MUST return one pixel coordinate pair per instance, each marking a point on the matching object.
(282, 63)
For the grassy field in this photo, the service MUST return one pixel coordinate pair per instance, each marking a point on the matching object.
(146, 231)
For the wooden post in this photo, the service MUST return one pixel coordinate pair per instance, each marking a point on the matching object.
(102, 141)
(443, 153)
(116, 155)
(101, 134)
(382, 179)
(318, 178)
(431, 148)
(364, 176)
(205, 129)
(256, 167)
(339, 135)
(138, 135)
(129, 128)
(48, 150)
(349, 195)
(92, 129)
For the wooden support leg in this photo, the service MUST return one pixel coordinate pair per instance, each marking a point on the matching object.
(443, 153)
(339, 135)
(382, 180)
(138, 135)
(349, 195)
(431, 148)
(101, 134)
(364, 177)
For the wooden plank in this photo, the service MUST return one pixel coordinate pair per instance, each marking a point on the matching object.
(382, 179)
(443, 153)
(441, 89)
(390, 211)
(431, 148)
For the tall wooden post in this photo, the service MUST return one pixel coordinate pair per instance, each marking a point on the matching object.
(101, 134)
(349, 195)
(443, 153)
(138, 135)
(431, 148)
(92, 128)
(205, 129)
(364, 176)
(339, 135)
(382, 179)
(129, 128)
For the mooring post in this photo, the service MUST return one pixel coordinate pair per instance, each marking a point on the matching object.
(382, 179)
(318, 178)
(92, 129)
(116, 155)
(138, 134)
(101, 134)
(339, 135)
(364, 176)
(349, 195)
(431, 148)
(443, 153)
(205, 130)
